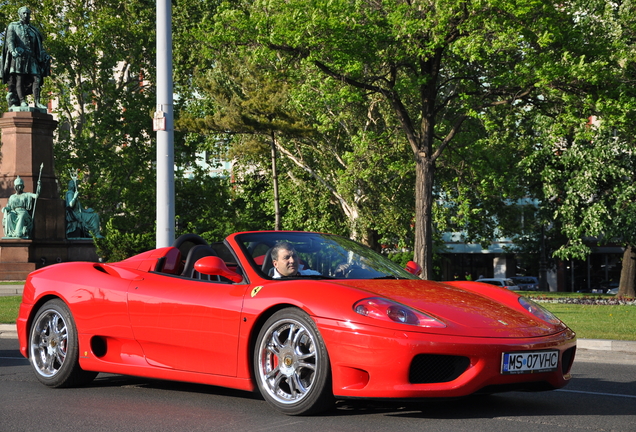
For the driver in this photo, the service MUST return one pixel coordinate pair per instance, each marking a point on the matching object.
(286, 262)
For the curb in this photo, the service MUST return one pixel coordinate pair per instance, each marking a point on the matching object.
(8, 331)
(607, 345)
(11, 290)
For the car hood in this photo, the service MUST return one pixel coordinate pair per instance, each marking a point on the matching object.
(465, 312)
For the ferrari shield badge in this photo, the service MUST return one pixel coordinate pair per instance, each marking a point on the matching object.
(256, 290)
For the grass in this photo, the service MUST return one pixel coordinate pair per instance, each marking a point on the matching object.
(9, 307)
(552, 294)
(615, 322)
(597, 321)
(588, 321)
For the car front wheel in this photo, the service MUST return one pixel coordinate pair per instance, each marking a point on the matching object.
(53, 347)
(291, 364)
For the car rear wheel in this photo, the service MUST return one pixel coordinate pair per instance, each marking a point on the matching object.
(291, 364)
(53, 347)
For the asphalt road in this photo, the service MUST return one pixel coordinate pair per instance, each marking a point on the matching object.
(601, 397)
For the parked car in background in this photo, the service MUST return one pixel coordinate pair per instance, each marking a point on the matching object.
(610, 287)
(526, 283)
(500, 282)
(605, 287)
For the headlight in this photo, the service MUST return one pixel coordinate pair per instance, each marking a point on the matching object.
(538, 311)
(391, 311)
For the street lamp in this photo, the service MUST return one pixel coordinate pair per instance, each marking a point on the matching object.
(164, 125)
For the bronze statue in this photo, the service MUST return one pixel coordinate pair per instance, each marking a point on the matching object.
(25, 63)
(17, 220)
(80, 222)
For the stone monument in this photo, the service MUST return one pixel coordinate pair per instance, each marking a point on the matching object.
(80, 222)
(27, 163)
(17, 216)
(25, 62)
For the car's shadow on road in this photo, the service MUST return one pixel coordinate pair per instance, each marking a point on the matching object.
(513, 404)
(12, 358)
(125, 381)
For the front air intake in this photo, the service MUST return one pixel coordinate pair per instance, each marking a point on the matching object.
(436, 368)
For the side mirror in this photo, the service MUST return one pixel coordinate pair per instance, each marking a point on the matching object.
(413, 268)
(214, 266)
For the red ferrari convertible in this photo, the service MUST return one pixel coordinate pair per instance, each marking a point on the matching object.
(305, 318)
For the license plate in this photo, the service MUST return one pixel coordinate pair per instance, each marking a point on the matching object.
(529, 362)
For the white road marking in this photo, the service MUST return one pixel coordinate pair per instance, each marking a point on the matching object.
(598, 394)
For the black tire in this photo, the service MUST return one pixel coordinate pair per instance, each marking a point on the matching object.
(53, 347)
(291, 364)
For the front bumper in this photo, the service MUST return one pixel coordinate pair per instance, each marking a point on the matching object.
(372, 362)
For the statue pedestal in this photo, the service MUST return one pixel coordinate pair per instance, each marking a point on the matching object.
(27, 144)
(15, 259)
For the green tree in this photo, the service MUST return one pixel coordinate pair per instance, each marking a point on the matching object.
(588, 183)
(585, 139)
(348, 156)
(356, 156)
(434, 64)
(103, 62)
(250, 102)
(103, 96)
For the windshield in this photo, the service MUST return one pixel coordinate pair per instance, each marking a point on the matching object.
(321, 256)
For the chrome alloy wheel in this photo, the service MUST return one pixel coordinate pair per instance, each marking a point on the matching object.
(49, 343)
(287, 361)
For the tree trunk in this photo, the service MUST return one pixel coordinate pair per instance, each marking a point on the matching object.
(628, 273)
(425, 174)
(275, 184)
(369, 237)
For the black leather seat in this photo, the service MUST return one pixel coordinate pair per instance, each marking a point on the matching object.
(196, 253)
(268, 266)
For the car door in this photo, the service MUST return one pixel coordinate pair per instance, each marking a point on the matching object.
(187, 324)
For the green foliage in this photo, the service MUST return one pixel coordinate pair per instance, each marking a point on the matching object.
(584, 142)
(327, 137)
(357, 160)
(427, 69)
(401, 258)
(117, 245)
(592, 180)
(215, 207)
(103, 62)
(249, 100)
